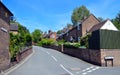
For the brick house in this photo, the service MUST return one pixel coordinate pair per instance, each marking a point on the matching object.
(5, 16)
(81, 29)
(51, 35)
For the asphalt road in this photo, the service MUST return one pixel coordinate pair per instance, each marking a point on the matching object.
(51, 62)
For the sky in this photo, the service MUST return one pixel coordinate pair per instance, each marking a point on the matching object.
(56, 14)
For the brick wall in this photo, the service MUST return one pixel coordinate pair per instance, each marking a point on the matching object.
(92, 56)
(111, 52)
(4, 45)
(58, 48)
(4, 38)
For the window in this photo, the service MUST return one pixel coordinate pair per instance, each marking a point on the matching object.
(71, 39)
(78, 27)
(78, 39)
(67, 33)
(6, 14)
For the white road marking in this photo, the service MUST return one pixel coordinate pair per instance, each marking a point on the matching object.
(84, 73)
(66, 69)
(54, 58)
(88, 70)
(48, 53)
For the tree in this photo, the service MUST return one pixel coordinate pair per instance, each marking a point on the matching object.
(116, 21)
(59, 32)
(28, 40)
(100, 19)
(37, 35)
(20, 40)
(79, 14)
(69, 25)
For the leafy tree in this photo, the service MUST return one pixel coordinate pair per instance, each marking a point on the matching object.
(37, 35)
(14, 45)
(100, 19)
(85, 40)
(28, 40)
(59, 32)
(116, 21)
(17, 41)
(79, 14)
(69, 25)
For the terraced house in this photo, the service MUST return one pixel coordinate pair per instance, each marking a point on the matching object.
(81, 29)
(5, 16)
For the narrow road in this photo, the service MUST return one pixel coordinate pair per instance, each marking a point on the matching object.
(50, 62)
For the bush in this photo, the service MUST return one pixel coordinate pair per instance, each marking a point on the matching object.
(71, 45)
(47, 42)
(60, 42)
(84, 40)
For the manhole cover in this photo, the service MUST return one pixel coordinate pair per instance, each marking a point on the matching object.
(75, 69)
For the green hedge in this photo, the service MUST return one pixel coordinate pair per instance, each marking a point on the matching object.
(71, 45)
(44, 42)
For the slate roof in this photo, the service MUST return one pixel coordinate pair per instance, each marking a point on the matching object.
(97, 26)
(13, 27)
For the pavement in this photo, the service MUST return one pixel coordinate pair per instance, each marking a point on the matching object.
(45, 61)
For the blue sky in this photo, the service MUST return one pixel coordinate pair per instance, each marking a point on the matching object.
(55, 14)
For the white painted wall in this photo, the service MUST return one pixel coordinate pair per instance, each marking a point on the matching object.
(109, 26)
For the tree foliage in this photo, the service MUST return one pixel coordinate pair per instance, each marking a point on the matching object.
(85, 40)
(59, 32)
(116, 21)
(100, 19)
(20, 40)
(37, 35)
(79, 14)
